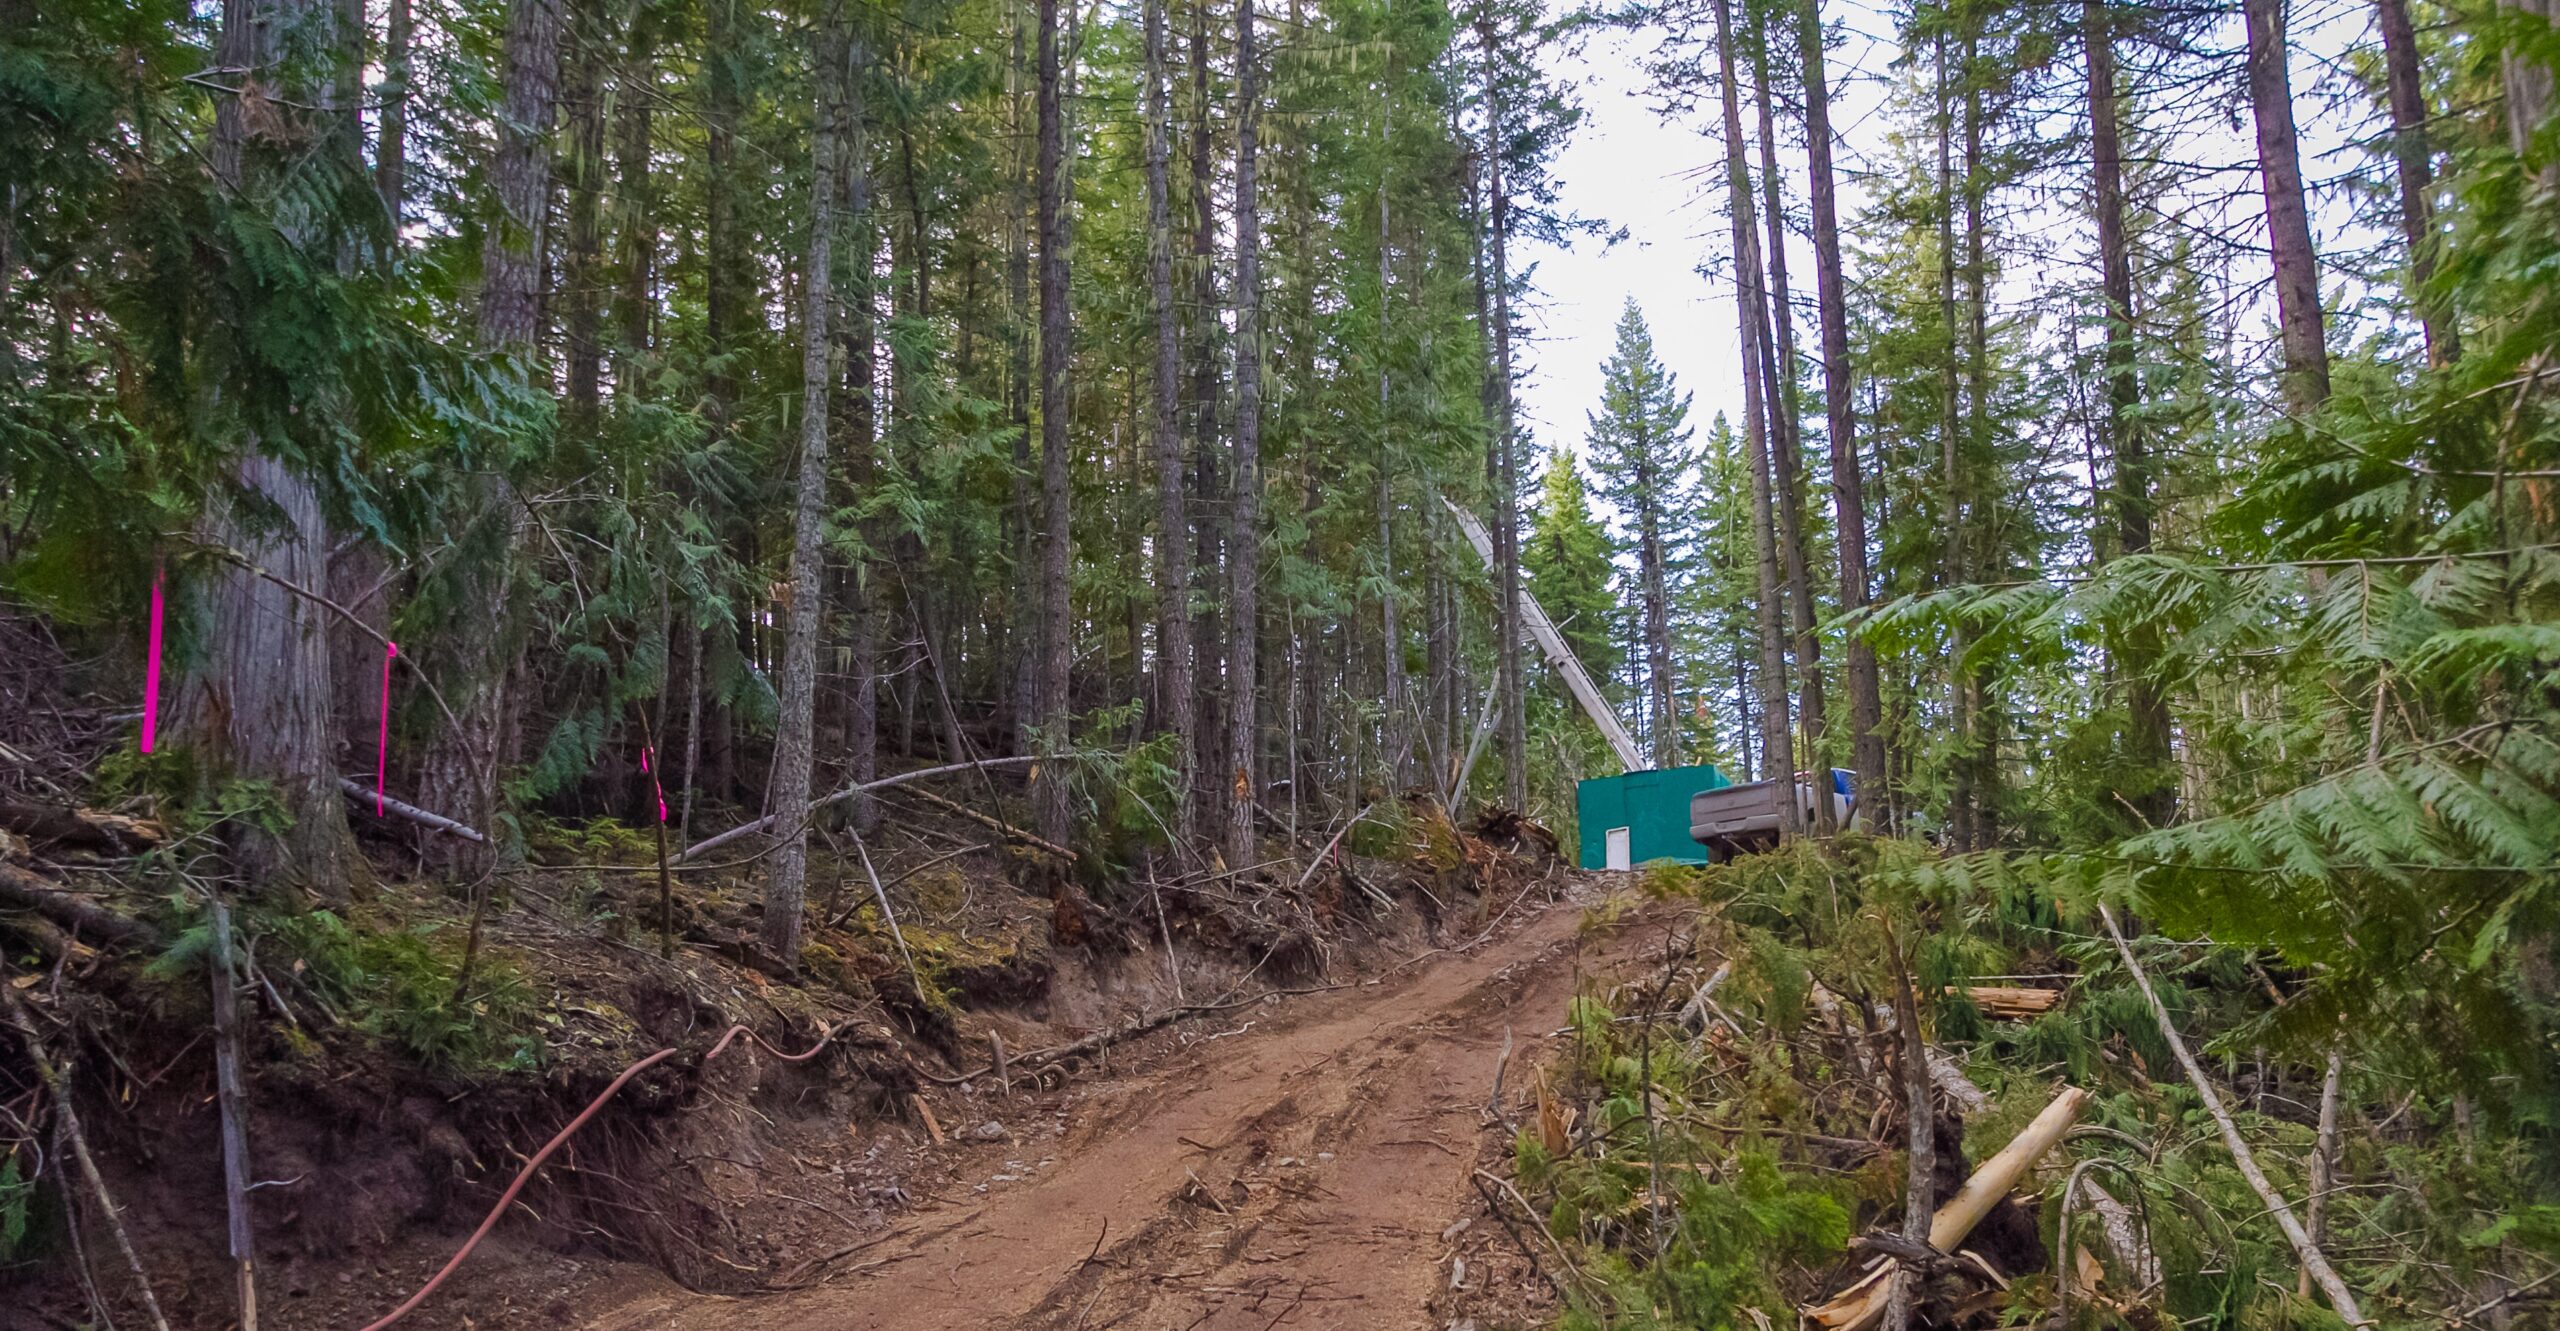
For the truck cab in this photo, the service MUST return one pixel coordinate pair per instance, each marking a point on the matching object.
(1744, 819)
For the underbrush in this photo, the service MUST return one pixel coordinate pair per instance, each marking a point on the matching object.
(397, 982)
(1729, 1122)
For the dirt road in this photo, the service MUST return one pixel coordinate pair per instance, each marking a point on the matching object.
(1298, 1173)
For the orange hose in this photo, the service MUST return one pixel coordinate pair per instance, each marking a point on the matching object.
(525, 1174)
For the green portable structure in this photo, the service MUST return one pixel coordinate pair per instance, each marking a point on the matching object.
(1650, 810)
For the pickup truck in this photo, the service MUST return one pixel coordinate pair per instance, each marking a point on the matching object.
(1739, 820)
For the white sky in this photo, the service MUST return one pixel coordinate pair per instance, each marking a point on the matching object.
(1627, 166)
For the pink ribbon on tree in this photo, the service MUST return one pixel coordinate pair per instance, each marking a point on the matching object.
(151, 666)
(651, 769)
(382, 742)
(647, 753)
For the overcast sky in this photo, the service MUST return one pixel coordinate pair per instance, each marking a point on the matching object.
(1629, 167)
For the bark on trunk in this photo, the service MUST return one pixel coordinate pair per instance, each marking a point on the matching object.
(786, 889)
(1505, 465)
(2412, 151)
(1777, 759)
(460, 777)
(635, 240)
(860, 416)
(2528, 80)
(2117, 427)
(1244, 564)
(2297, 266)
(1174, 700)
(391, 146)
(1778, 363)
(1866, 696)
(1396, 731)
(258, 702)
(1048, 782)
(1208, 760)
(1980, 742)
(582, 277)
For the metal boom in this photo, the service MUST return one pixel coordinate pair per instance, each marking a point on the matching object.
(1542, 631)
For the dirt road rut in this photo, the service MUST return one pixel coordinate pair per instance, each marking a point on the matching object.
(1298, 1173)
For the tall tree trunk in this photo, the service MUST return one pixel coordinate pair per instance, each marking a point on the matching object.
(1980, 740)
(1961, 796)
(1244, 562)
(636, 232)
(1504, 463)
(2411, 149)
(1023, 638)
(1777, 755)
(257, 703)
(2297, 265)
(1049, 786)
(860, 417)
(1866, 697)
(1174, 694)
(1396, 731)
(2117, 423)
(1786, 432)
(460, 776)
(1208, 760)
(2528, 80)
(582, 276)
(391, 144)
(786, 888)
(1650, 558)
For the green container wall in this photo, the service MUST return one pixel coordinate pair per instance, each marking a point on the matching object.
(1653, 807)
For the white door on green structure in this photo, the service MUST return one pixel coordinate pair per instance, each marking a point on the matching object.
(1621, 849)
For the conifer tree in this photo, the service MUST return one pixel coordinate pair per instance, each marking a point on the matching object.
(1639, 439)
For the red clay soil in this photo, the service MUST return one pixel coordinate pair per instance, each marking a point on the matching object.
(1296, 1166)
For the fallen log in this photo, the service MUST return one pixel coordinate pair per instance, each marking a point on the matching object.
(85, 829)
(392, 808)
(994, 824)
(1861, 1305)
(2342, 1300)
(88, 920)
(766, 823)
(2005, 1003)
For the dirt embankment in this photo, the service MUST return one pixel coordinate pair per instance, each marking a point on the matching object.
(751, 1174)
(1300, 1163)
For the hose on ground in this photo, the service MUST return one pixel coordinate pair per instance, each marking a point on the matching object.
(525, 1175)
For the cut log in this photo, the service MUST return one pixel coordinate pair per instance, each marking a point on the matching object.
(1862, 1305)
(84, 829)
(27, 891)
(2004, 1003)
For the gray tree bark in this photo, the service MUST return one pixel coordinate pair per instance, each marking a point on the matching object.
(1244, 564)
(1777, 746)
(1505, 460)
(1786, 432)
(1048, 782)
(258, 703)
(1866, 695)
(460, 776)
(2411, 150)
(2297, 266)
(786, 888)
(1176, 706)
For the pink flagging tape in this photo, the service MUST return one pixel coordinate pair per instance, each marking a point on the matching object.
(382, 744)
(648, 764)
(151, 666)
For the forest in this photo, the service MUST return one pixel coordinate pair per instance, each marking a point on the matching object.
(495, 487)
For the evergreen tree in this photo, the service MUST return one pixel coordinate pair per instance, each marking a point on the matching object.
(1571, 573)
(1640, 450)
